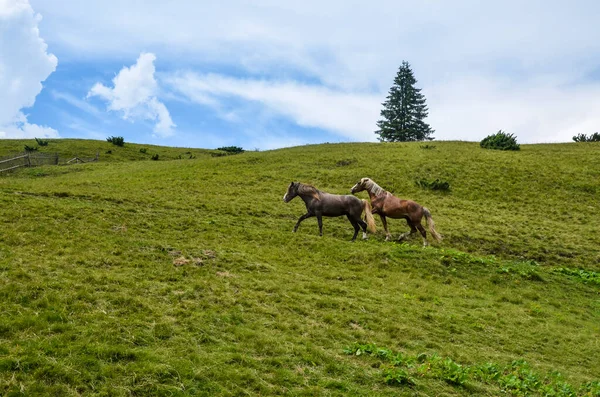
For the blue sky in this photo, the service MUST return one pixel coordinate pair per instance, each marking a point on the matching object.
(268, 74)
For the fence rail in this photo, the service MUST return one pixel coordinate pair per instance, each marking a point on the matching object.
(15, 161)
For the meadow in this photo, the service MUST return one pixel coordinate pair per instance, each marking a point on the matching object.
(182, 277)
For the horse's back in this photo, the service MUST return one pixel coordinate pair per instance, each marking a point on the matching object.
(338, 205)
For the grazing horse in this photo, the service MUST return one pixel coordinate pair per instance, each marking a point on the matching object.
(321, 204)
(386, 204)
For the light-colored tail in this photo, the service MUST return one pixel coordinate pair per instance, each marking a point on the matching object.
(369, 216)
(431, 224)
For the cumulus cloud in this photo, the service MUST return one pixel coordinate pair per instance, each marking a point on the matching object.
(134, 94)
(24, 65)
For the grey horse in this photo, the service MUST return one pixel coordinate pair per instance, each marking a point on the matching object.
(321, 204)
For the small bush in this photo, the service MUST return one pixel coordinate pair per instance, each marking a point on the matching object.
(116, 140)
(427, 146)
(41, 142)
(30, 148)
(433, 185)
(109, 152)
(143, 150)
(344, 163)
(154, 157)
(595, 137)
(500, 141)
(231, 149)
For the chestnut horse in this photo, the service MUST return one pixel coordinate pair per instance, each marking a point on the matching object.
(321, 204)
(386, 204)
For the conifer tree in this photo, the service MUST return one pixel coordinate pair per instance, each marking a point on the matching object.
(404, 110)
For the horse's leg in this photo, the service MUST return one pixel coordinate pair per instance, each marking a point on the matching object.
(424, 234)
(320, 221)
(388, 236)
(413, 230)
(355, 225)
(303, 217)
(363, 225)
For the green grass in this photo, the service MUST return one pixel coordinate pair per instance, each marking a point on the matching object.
(68, 149)
(183, 277)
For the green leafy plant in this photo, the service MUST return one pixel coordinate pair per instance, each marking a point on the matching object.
(154, 157)
(116, 140)
(500, 141)
(30, 148)
(143, 150)
(397, 376)
(587, 276)
(595, 137)
(41, 142)
(516, 378)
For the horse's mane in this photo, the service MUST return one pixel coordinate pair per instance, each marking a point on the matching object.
(308, 190)
(374, 188)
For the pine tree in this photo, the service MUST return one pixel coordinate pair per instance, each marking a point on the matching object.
(404, 110)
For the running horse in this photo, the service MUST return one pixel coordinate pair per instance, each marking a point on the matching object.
(386, 204)
(321, 204)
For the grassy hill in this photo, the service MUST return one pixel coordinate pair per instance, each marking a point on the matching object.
(68, 149)
(183, 277)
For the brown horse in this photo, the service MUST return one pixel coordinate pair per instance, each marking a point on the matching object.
(386, 204)
(321, 204)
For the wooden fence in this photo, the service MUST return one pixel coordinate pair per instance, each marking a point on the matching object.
(27, 159)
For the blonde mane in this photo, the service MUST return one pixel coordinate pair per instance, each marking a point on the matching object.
(308, 190)
(374, 188)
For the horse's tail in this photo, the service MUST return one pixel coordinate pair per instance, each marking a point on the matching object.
(431, 224)
(369, 216)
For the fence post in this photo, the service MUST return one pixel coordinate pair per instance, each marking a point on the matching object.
(28, 160)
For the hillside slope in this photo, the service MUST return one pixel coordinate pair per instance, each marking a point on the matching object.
(183, 277)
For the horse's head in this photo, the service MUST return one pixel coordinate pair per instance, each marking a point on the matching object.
(292, 192)
(360, 186)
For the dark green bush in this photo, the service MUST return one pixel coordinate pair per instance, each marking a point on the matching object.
(500, 141)
(595, 137)
(433, 185)
(116, 140)
(30, 148)
(231, 149)
(154, 157)
(143, 150)
(41, 142)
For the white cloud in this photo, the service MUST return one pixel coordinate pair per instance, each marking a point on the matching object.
(478, 62)
(134, 94)
(24, 64)
(541, 110)
(347, 114)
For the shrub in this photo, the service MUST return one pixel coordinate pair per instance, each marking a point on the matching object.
(154, 157)
(595, 137)
(433, 185)
(500, 141)
(30, 148)
(116, 140)
(427, 146)
(231, 149)
(41, 142)
(143, 150)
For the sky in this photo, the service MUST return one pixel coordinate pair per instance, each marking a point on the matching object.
(267, 74)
